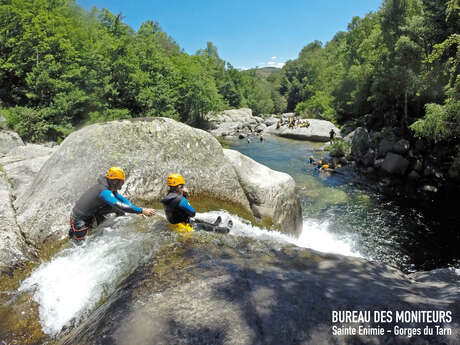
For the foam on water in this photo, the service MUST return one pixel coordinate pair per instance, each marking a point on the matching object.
(73, 283)
(315, 234)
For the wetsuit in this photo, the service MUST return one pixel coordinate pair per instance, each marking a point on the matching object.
(94, 204)
(178, 210)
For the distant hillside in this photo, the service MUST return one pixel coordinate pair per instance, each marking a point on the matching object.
(265, 72)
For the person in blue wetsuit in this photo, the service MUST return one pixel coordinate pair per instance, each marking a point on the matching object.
(179, 212)
(101, 199)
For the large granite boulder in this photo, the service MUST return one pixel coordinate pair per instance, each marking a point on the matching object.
(271, 193)
(148, 150)
(8, 141)
(317, 131)
(231, 291)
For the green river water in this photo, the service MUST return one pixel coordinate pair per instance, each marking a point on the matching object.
(380, 229)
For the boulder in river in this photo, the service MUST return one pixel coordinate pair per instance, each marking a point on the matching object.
(271, 193)
(318, 130)
(148, 150)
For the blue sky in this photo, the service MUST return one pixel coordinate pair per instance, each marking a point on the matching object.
(247, 33)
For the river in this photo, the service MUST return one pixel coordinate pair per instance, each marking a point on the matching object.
(343, 215)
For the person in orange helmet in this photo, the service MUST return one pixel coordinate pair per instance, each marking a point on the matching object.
(101, 199)
(179, 211)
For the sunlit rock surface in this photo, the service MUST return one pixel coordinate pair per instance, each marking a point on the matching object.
(230, 290)
(317, 131)
(271, 193)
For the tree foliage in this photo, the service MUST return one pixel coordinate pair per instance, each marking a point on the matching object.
(62, 66)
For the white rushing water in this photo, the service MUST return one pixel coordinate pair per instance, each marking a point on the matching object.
(76, 280)
(72, 284)
(315, 234)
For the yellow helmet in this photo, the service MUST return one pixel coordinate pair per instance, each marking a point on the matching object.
(175, 180)
(116, 173)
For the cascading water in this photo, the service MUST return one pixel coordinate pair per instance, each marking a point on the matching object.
(315, 234)
(80, 277)
(74, 282)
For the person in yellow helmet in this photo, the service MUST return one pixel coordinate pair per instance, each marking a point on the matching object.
(179, 212)
(99, 200)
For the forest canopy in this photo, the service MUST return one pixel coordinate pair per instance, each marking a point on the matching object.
(62, 67)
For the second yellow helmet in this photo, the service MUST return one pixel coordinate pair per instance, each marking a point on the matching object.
(116, 173)
(175, 180)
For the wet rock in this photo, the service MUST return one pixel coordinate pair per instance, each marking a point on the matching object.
(395, 164)
(8, 141)
(242, 136)
(271, 194)
(232, 292)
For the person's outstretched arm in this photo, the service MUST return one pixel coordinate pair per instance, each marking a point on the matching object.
(123, 204)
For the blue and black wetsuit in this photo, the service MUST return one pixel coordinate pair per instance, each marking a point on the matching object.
(94, 204)
(178, 210)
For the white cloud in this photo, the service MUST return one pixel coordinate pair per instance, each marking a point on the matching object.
(275, 64)
(273, 57)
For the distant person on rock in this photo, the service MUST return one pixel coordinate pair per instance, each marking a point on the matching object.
(99, 200)
(331, 134)
(179, 211)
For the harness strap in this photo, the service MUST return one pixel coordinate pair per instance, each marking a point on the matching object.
(82, 232)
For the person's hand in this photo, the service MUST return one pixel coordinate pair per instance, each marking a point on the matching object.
(148, 212)
(185, 192)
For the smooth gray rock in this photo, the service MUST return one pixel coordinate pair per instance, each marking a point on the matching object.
(13, 249)
(8, 141)
(317, 131)
(271, 193)
(252, 294)
(148, 150)
(395, 164)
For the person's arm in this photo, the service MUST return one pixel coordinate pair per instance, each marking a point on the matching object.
(121, 204)
(186, 207)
